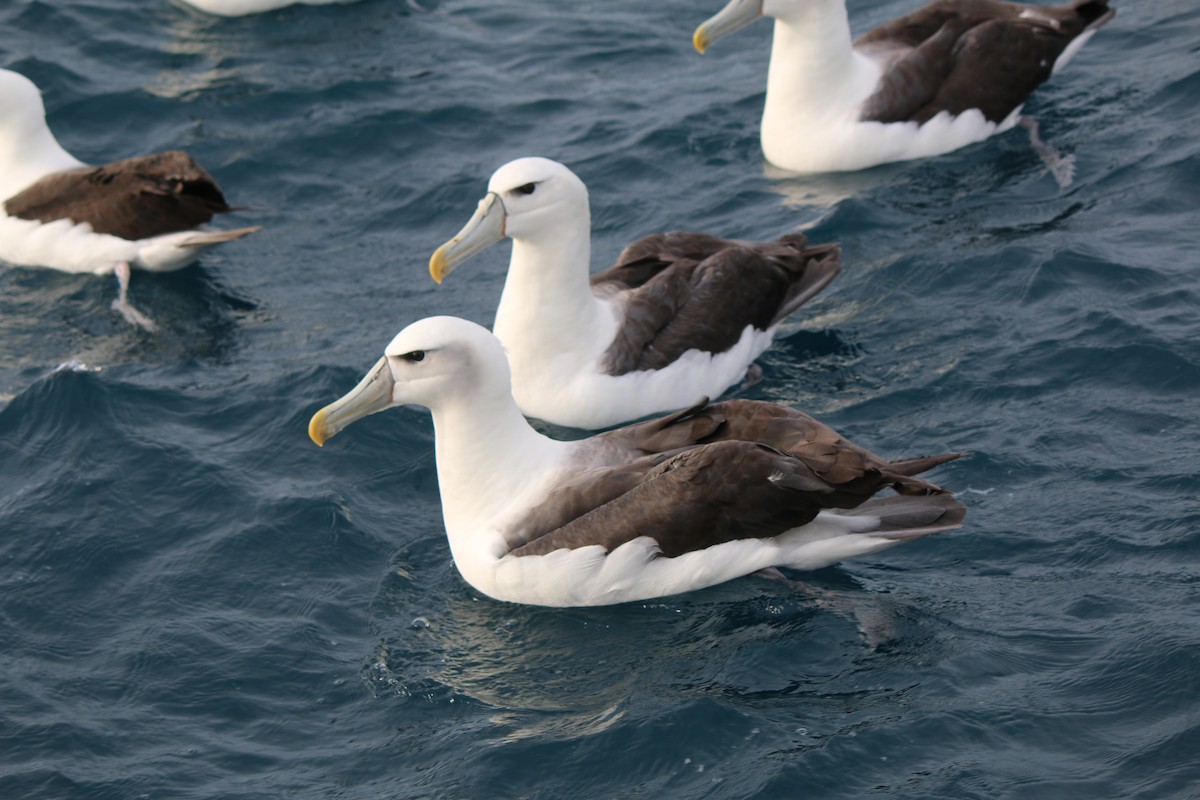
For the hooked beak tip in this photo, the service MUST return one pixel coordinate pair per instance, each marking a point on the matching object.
(316, 428)
(437, 265)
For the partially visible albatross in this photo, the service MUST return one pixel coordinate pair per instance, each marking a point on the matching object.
(240, 8)
(949, 74)
(680, 316)
(656, 508)
(57, 212)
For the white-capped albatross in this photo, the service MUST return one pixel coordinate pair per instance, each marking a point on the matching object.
(57, 212)
(680, 316)
(240, 8)
(949, 74)
(656, 508)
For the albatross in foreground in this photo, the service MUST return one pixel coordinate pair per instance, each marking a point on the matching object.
(952, 73)
(656, 508)
(679, 316)
(57, 212)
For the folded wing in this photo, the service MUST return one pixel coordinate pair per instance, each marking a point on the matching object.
(734, 470)
(956, 55)
(137, 198)
(686, 291)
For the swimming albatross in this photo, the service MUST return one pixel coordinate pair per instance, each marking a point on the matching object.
(655, 508)
(680, 316)
(57, 212)
(949, 74)
(239, 8)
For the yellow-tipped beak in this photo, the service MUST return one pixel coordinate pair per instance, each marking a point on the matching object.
(483, 229)
(734, 16)
(372, 394)
(316, 428)
(438, 263)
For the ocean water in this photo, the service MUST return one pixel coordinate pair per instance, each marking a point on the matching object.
(196, 602)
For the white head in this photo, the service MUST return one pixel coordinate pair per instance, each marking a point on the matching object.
(796, 10)
(22, 113)
(737, 14)
(27, 148)
(527, 198)
(438, 358)
(435, 362)
(538, 194)
(18, 96)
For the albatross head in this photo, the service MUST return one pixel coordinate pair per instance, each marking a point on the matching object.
(526, 198)
(19, 98)
(22, 114)
(433, 362)
(740, 13)
(28, 150)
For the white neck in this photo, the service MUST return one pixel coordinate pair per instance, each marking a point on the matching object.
(488, 459)
(28, 151)
(814, 68)
(547, 307)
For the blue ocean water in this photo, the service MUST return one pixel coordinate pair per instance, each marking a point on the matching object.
(197, 602)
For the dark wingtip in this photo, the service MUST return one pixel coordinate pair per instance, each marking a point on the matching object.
(822, 263)
(915, 466)
(1095, 12)
(901, 473)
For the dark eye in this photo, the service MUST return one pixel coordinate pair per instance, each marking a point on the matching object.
(526, 189)
(414, 356)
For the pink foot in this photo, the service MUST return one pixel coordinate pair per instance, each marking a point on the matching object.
(1060, 166)
(121, 304)
(754, 374)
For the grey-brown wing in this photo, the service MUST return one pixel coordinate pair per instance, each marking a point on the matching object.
(704, 301)
(855, 472)
(836, 459)
(671, 432)
(613, 463)
(134, 199)
(733, 470)
(914, 29)
(912, 79)
(643, 259)
(982, 54)
(698, 498)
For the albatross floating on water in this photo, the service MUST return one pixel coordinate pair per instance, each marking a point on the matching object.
(57, 212)
(656, 508)
(680, 316)
(952, 73)
(239, 8)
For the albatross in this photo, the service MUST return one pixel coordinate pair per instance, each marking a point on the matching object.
(678, 317)
(239, 8)
(655, 508)
(950, 74)
(57, 212)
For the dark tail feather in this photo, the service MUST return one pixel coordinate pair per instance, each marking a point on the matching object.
(210, 238)
(915, 466)
(901, 474)
(1094, 12)
(822, 263)
(905, 517)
